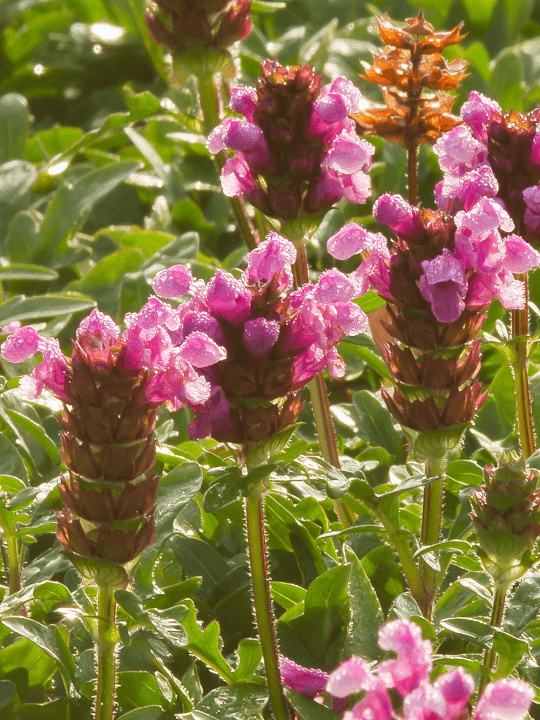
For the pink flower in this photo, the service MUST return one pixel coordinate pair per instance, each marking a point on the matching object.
(243, 100)
(237, 177)
(228, 296)
(348, 154)
(459, 151)
(351, 240)
(172, 282)
(456, 687)
(20, 346)
(425, 703)
(504, 700)
(520, 257)
(413, 664)
(273, 257)
(478, 111)
(260, 336)
(397, 214)
(444, 286)
(351, 677)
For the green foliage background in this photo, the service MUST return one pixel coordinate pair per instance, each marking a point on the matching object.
(104, 181)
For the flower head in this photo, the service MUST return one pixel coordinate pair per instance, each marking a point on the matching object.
(296, 153)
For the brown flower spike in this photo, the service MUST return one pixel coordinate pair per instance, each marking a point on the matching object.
(410, 64)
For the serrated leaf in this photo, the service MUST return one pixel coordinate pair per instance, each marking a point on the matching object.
(365, 612)
(263, 452)
(249, 658)
(204, 644)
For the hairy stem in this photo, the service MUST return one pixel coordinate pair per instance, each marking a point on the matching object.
(11, 558)
(264, 614)
(520, 329)
(399, 541)
(320, 401)
(105, 654)
(431, 530)
(497, 613)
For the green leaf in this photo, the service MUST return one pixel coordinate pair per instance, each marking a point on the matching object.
(175, 490)
(227, 489)
(472, 630)
(479, 12)
(36, 431)
(23, 271)
(11, 463)
(149, 712)
(14, 126)
(375, 423)
(204, 644)
(200, 558)
(137, 689)
(366, 616)
(263, 452)
(510, 651)
(249, 658)
(10, 484)
(286, 594)
(44, 306)
(234, 702)
(50, 639)
(7, 693)
(16, 180)
(307, 708)
(22, 239)
(68, 209)
(26, 655)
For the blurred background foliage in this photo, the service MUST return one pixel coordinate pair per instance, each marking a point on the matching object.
(105, 180)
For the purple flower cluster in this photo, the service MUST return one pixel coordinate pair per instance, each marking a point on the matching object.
(296, 154)
(146, 346)
(445, 699)
(493, 155)
(276, 339)
(475, 265)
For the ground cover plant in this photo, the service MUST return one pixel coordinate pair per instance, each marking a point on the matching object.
(271, 381)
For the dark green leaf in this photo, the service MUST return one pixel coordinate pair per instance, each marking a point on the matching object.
(366, 616)
(375, 423)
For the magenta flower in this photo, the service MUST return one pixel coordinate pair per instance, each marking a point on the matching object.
(296, 149)
(445, 699)
(276, 341)
(413, 663)
(398, 214)
(456, 687)
(478, 112)
(144, 345)
(444, 285)
(507, 699)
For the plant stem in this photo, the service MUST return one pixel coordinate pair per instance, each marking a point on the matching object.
(105, 653)
(399, 541)
(264, 614)
(320, 401)
(520, 328)
(497, 613)
(412, 172)
(431, 529)
(210, 106)
(14, 567)
(11, 558)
